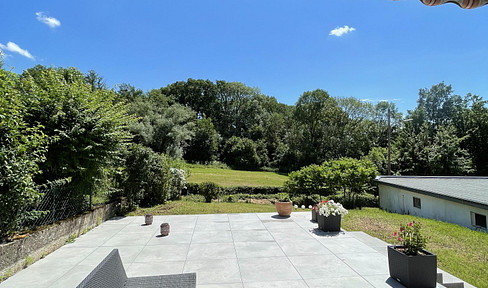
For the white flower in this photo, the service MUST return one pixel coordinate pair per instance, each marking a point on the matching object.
(331, 208)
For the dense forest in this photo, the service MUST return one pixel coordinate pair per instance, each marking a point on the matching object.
(62, 128)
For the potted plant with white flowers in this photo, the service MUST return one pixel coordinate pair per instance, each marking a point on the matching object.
(409, 263)
(330, 215)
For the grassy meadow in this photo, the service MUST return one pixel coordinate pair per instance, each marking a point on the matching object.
(228, 177)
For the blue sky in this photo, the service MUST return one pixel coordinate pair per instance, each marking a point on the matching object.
(390, 49)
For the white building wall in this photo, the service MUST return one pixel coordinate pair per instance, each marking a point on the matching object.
(401, 201)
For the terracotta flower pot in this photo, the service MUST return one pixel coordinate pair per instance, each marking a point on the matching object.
(413, 270)
(284, 208)
(148, 219)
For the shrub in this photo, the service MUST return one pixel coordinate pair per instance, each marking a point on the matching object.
(306, 200)
(21, 150)
(312, 179)
(209, 190)
(241, 153)
(147, 177)
(178, 183)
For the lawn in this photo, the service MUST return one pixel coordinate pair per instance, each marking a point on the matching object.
(229, 177)
(460, 251)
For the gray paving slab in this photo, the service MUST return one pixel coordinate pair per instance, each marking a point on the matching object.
(225, 250)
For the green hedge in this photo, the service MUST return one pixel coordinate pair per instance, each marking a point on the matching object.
(192, 188)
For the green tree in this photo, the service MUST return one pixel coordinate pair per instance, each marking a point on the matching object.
(352, 176)
(22, 148)
(146, 178)
(203, 146)
(87, 128)
(241, 153)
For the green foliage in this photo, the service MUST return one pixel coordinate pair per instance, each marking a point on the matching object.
(203, 146)
(146, 178)
(209, 190)
(87, 128)
(22, 148)
(71, 239)
(283, 197)
(352, 176)
(240, 153)
(411, 237)
(308, 180)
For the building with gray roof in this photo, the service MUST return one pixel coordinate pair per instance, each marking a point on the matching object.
(460, 200)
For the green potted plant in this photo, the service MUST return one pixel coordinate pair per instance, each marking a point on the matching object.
(329, 215)
(283, 204)
(409, 263)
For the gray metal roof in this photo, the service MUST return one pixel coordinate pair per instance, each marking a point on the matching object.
(467, 190)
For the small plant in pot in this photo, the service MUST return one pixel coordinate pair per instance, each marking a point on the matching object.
(329, 215)
(283, 204)
(409, 263)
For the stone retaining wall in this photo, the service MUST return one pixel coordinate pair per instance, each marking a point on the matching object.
(16, 255)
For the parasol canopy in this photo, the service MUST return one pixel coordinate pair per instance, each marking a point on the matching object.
(465, 4)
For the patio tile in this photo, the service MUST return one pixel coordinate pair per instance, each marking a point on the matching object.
(291, 235)
(212, 237)
(127, 239)
(127, 253)
(162, 253)
(66, 256)
(346, 245)
(212, 217)
(247, 225)
(214, 271)
(251, 235)
(73, 277)
(228, 285)
(120, 220)
(313, 267)
(281, 225)
(243, 216)
(303, 247)
(172, 238)
(211, 251)
(277, 284)
(212, 226)
(383, 281)
(267, 269)
(257, 249)
(137, 269)
(343, 282)
(366, 263)
(36, 275)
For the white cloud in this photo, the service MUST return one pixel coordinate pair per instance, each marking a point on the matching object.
(49, 21)
(339, 31)
(12, 47)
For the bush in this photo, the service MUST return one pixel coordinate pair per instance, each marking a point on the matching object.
(21, 150)
(240, 153)
(309, 180)
(178, 183)
(306, 200)
(209, 190)
(147, 177)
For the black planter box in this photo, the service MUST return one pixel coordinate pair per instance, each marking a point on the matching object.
(314, 215)
(418, 271)
(329, 224)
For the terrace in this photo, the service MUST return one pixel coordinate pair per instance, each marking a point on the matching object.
(225, 250)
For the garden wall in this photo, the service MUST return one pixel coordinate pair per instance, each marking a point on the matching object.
(15, 255)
